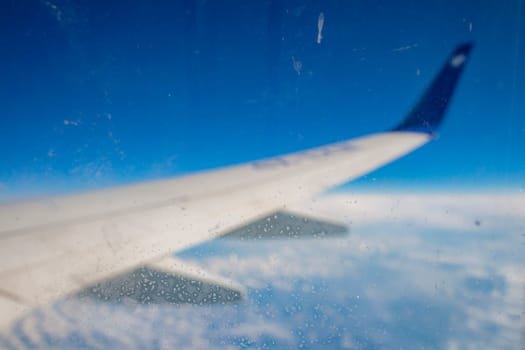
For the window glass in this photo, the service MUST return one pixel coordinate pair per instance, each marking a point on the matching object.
(96, 94)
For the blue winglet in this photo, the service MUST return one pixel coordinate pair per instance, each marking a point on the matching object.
(428, 113)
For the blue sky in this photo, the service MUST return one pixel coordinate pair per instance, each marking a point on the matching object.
(96, 94)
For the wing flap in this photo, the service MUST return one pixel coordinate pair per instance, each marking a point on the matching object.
(166, 281)
(287, 225)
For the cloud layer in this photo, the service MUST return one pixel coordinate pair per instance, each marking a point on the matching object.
(418, 270)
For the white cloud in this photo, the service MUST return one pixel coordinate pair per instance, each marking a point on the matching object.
(439, 211)
(406, 263)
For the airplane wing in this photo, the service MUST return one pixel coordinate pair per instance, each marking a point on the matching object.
(77, 244)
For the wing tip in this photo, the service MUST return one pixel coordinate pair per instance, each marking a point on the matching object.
(428, 114)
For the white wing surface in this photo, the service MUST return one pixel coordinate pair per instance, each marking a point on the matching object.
(60, 246)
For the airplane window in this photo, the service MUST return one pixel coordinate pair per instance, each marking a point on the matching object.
(225, 174)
